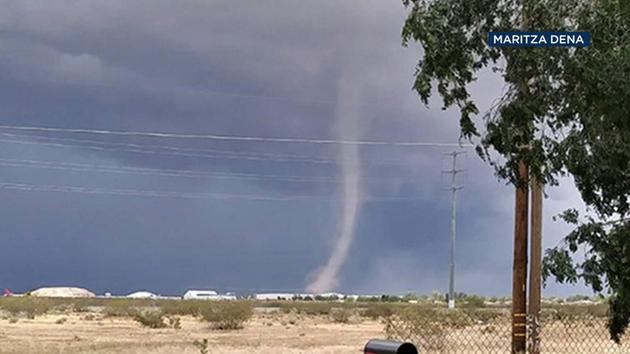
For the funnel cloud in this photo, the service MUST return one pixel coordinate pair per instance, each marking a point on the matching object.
(327, 277)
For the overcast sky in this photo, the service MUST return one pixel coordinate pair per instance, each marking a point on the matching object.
(259, 68)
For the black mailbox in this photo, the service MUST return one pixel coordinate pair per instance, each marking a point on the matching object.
(376, 346)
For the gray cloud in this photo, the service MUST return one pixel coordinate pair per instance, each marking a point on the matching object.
(261, 68)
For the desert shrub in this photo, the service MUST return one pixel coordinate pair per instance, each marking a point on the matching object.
(314, 308)
(378, 311)
(202, 345)
(431, 327)
(174, 322)
(578, 297)
(80, 306)
(64, 308)
(270, 303)
(341, 315)
(575, 312)
(429, 317)
(473, 301)
(119, 309)
(306, 307)
(27, 306)
(390, 298)
(482, 315)
(184, 307)
(70, 305)
(368, 299)
(61, 320)
(150, 319)
(227, 315)
(426, 326)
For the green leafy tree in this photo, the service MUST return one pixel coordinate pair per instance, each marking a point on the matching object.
(569, 106)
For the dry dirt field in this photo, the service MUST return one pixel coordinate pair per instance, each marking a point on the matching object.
(264, 333)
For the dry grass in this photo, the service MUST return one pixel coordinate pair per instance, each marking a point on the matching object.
(266, 332)
(107, 326)
(166, 349)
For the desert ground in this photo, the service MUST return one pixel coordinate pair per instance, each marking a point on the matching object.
(104, 326)
(264, 333)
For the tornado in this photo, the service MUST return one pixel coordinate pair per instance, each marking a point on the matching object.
(327, 277)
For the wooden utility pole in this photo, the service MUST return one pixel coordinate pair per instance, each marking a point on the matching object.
(521, 217)
(535, 265)
(519, 270)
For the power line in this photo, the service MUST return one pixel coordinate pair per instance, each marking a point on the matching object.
(168, 153)
(79, 167)
(142, 193)
(75, 167)
(192, 155)
(175, 151)
(171, 148)
(177, 194)
(233, 137)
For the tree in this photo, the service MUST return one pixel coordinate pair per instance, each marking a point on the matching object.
(571, 107)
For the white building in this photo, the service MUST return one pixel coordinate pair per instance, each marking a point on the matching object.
(274, 296)
(61, 292)
(201, 295)
(142, 295)
(337, 296)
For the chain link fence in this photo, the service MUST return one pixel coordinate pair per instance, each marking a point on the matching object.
(563, 329)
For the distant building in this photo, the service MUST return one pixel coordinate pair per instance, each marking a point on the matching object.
(274, 296)
(61, 292)
(142, 295)
(227, 297)
(304, 297)
(298, 297)
(332, 296)
(362, 297)
(201, 295)
(167, 297)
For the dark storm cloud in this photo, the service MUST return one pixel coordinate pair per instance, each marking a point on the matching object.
(264, 68)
